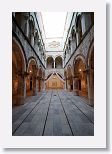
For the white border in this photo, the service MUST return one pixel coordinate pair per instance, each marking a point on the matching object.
(99, 138)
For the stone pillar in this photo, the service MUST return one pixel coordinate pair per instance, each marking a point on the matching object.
(73, 45)
(32, 39)
(54, 63)
(90, 87)
(83, 24)
(36, 45)
(68, 85)
(24, 87)
(73, 84)
(76, 91)
(65, 85)
(27, 28)
(44, 88)
(36, 91)
(77, 38)
(45, 63)
(21, 92)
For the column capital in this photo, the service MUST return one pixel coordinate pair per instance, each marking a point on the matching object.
(22, 74)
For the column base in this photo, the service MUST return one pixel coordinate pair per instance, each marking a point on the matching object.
(19, 100)
(91, 102)
(76, 92)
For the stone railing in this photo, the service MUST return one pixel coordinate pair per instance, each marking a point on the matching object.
(29, 50)
(54, 70)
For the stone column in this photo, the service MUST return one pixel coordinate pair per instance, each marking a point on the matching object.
(44, 88)
(24, 87)
(73, 84)
(68, 84)
(36, 89)
(65, 85)
(76, 86)
(32, 39)
(54, 63)
(36, 45)
(26, 27)
(21, 94)
(90, 87)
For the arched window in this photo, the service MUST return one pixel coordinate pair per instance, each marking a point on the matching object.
(78, 28)
(22, 18)
(74, 40)
(87, 20)
(58, 62)
(18, 17)
(31, 30)
(50, 63)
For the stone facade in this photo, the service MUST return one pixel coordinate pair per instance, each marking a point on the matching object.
(28, 56)
(79, 56)
(33, 66)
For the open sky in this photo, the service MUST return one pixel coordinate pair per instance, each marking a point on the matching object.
(54, 23)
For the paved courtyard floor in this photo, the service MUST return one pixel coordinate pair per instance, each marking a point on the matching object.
(54, 113)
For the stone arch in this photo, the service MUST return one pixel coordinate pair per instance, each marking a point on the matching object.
(18, 73)
(58, 62)
(32, 69)
(79, 56)
(58, 56)
(80, 76)
(33, 60)
(50, 62)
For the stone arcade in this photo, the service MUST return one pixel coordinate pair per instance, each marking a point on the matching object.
(52, 78)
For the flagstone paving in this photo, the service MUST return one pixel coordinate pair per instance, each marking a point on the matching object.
(53, 113)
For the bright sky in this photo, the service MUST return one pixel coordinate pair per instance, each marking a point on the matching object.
(54, 23)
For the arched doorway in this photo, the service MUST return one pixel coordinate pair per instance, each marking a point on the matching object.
(58, 62)
(50, 63)
(80, 77)
(31, 79)
(18, 70)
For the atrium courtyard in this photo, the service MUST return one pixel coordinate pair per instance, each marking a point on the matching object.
(53, 74)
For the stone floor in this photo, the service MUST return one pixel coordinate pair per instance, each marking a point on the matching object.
(54, 113)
